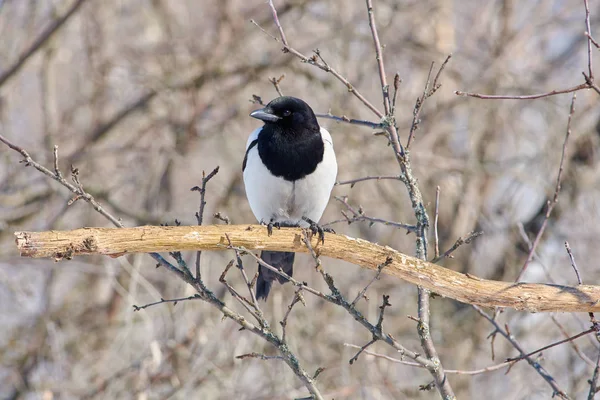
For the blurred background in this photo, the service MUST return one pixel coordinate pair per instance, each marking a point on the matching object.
(143, 95)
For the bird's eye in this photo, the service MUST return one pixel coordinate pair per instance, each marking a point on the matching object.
(287, 113)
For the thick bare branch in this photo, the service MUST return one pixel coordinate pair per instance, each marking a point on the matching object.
(465, 288)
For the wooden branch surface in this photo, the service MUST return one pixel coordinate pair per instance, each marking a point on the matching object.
(532, 297)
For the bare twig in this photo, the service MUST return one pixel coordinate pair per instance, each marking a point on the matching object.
(543, 373)
(363, 348)
(380, 268)
(257, 100)
(550, 204)
(379, 56)
(581, 355)
(592, 40)
(435, 224)
(427, 92)
(589, 41)
(573, 264)
(260, 356)
(459, 242)
(162, 301)
(359, 215)
(249, 305)
(276, 82)
(200, 213)
(352, 121)
(397, 82)
(249, 284)
(448, 371)
(298, 298)
(522, 97)
(594, 380)
(353, 182)
(569, 339)
(379, 327)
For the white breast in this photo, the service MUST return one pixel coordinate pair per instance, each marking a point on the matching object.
(274, 198)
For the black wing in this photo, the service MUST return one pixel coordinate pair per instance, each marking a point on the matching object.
(252, 144)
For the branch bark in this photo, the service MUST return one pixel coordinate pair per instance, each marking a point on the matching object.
(532, 297)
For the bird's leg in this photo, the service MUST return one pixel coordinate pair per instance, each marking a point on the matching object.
(272, 224)
(317, 229)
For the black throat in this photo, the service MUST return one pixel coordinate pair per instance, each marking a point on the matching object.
(290, 155)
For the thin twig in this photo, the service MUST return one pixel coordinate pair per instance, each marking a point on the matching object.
(359, 215)
(569, 339)
(448, 371)
(581, 355)
(162, 301)
(276, 82)
(298, 298)
(592, 40)
(594, 380)
(589, 41)
(200, 213)
(385, 89)
(397, 82)
(428, 91)
(418, 107)
(573, 264)
(352, 121)
(379, 327)
(543, 373)
(353, 182)
(363, 348)
(249, 305)
(550, 204)
(522, 97)
(435, 224)
(260, 356)
(459, 242)
(380, 268)
(249, 283)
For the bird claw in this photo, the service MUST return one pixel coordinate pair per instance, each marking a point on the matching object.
(317, 229)
(270, 226)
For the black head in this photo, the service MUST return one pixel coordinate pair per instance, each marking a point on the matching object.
(290, 113)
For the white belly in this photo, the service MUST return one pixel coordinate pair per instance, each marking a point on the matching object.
(274, 199)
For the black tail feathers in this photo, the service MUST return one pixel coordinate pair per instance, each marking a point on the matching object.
(278, 259)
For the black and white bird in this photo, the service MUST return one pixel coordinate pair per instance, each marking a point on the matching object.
(289, 171)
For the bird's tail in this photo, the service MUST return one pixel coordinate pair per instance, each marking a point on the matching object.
(278, 259)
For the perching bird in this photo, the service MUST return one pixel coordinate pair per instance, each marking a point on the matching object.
(289, 171)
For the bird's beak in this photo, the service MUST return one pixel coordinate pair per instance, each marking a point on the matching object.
(264, 114)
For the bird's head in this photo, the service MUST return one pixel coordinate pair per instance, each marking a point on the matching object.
(288, 112)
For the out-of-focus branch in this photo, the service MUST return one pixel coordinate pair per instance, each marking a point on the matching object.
(589, 77)
(443, 281)
(40, 41)
(551, 204)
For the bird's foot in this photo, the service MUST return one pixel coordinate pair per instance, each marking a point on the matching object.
(317, 229)
(270, 226)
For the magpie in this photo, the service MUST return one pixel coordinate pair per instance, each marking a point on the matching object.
(289, 170)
